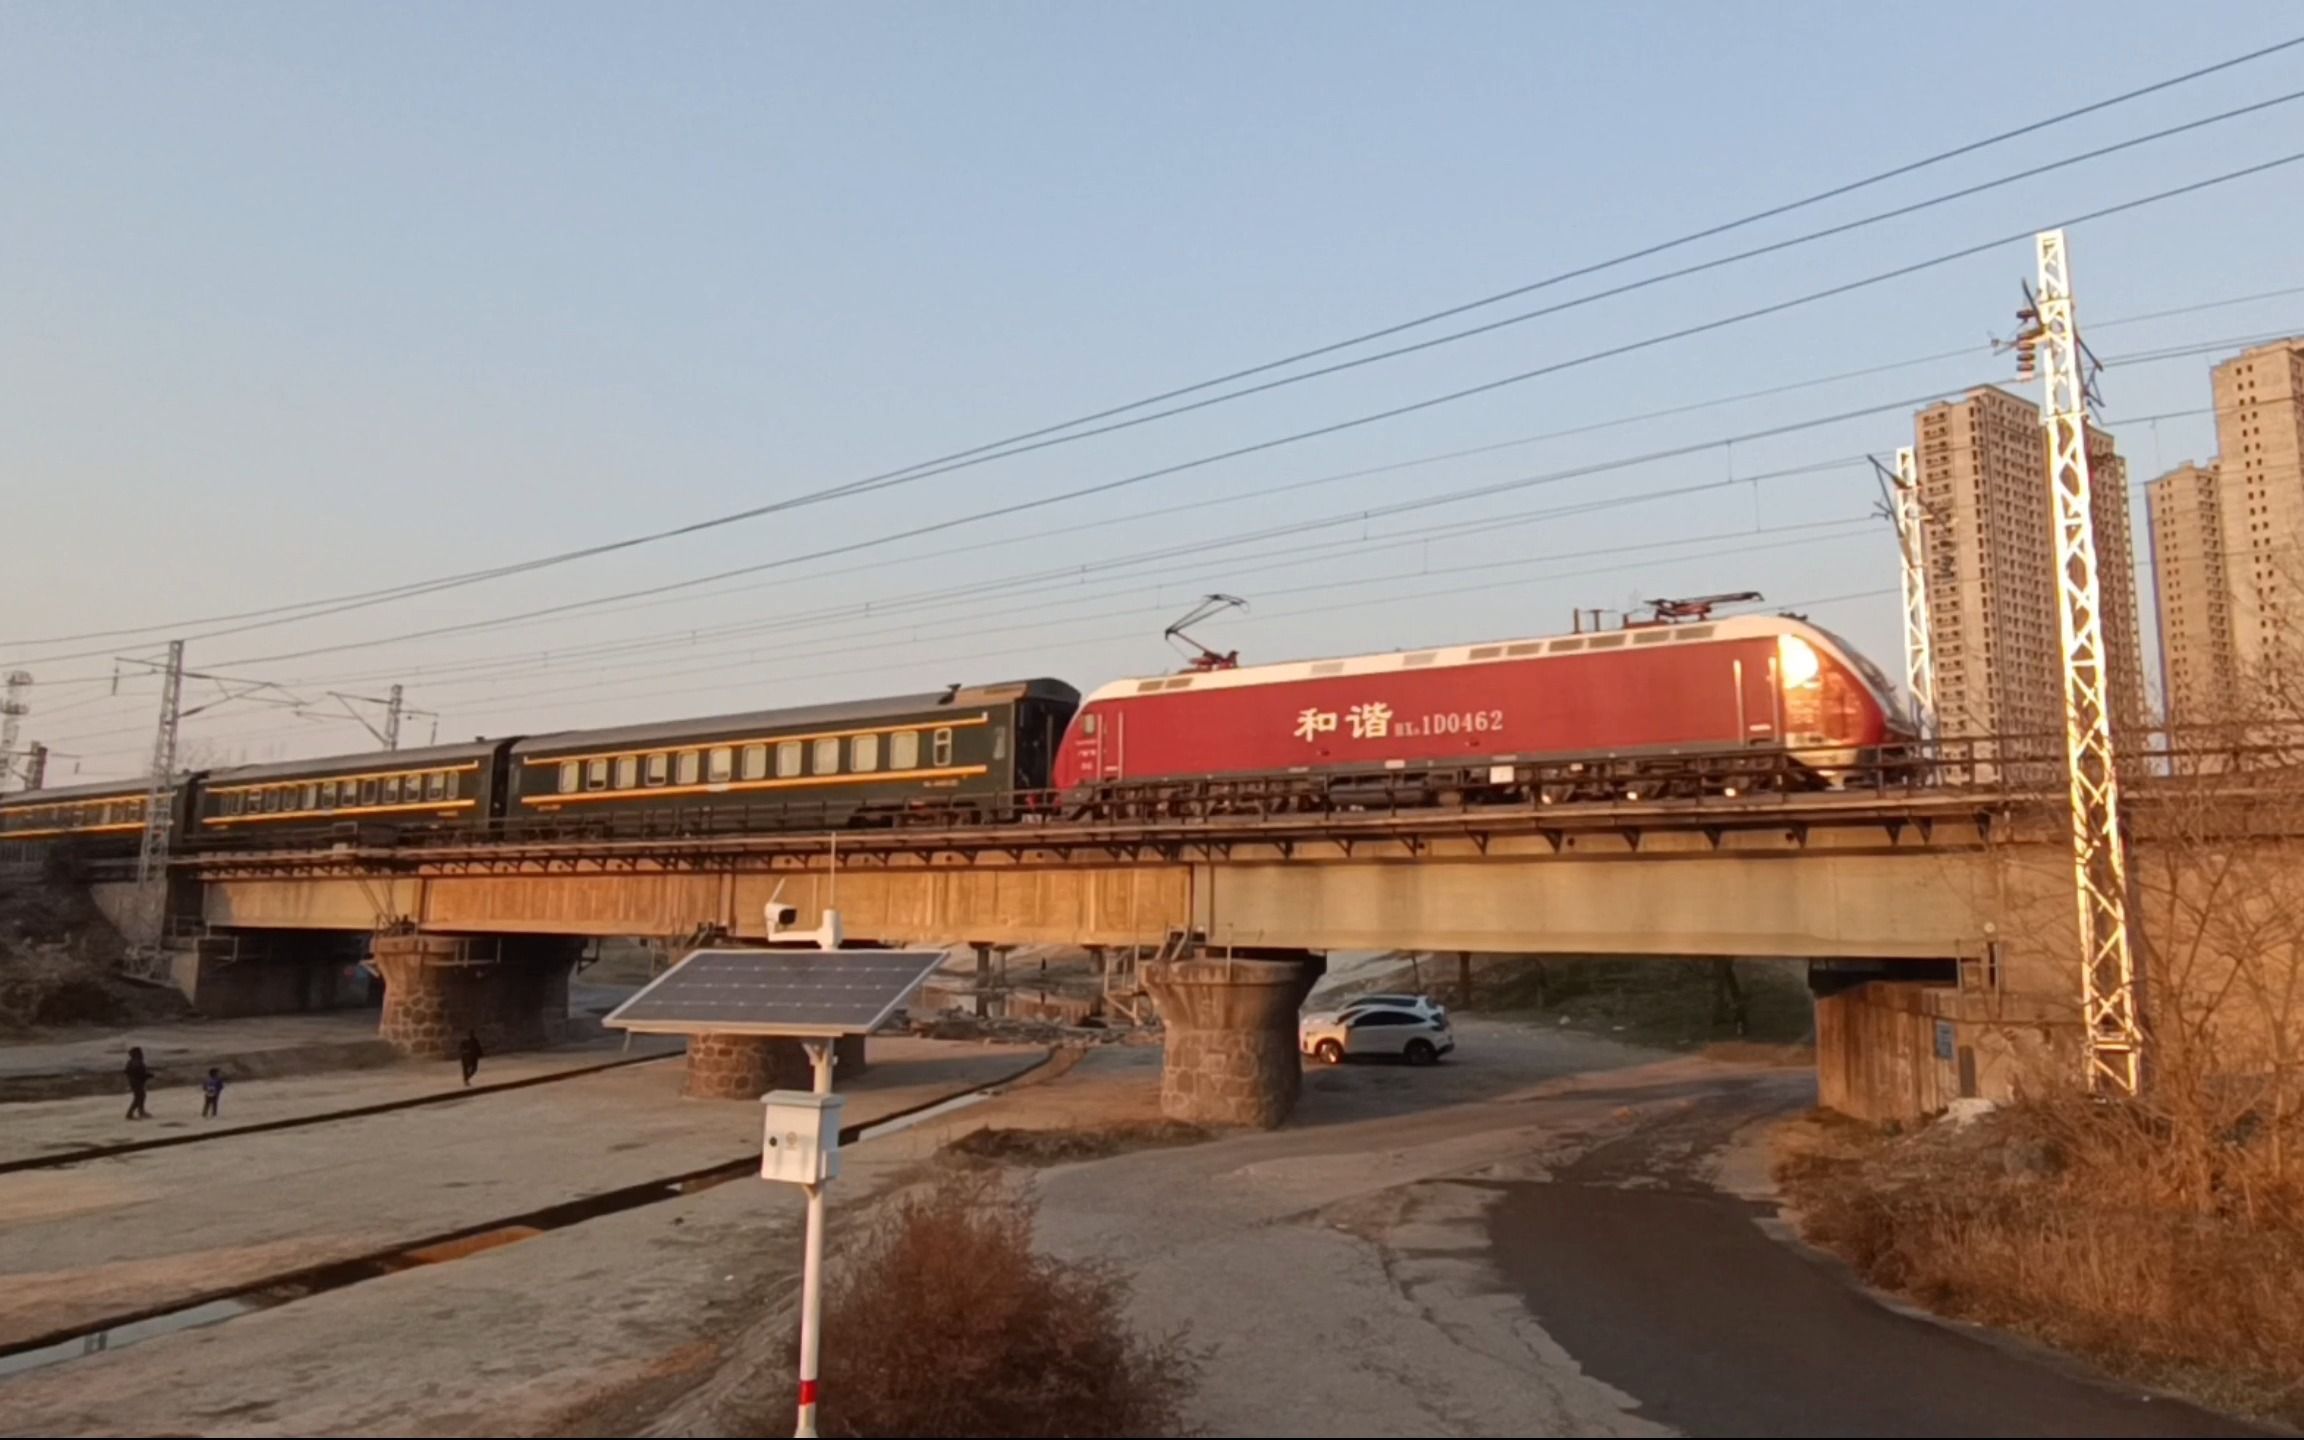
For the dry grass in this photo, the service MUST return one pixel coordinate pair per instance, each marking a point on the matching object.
(946, 1322)
(2048, 1219)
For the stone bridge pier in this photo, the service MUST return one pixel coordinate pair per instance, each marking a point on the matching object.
(511, 991)
(745, 1067)
(1231, 1054)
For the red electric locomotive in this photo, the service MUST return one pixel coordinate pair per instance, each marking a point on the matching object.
(1629, 704)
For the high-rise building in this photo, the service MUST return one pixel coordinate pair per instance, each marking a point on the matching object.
(1993, 602)
(2260, 464)
(2192, 592)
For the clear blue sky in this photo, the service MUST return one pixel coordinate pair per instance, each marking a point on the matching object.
(297, 300)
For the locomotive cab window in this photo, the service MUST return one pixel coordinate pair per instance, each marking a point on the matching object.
(904, 750)
(596, 774)
(940, 747)
(755, 762)
(571, 776)
(627, 771)
(827, 760)
(690, 766)
(659, 769)
(788, 758)
(723, 764)
(864, 753)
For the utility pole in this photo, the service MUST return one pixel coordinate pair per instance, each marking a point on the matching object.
(392, 720)
(2109, 1006)
(36, 767)
(13, 709)
(1912, 543)
(154, 853)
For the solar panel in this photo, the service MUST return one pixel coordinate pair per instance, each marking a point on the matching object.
(777, 992)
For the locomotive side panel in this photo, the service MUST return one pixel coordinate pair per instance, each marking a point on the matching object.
(1623, 698)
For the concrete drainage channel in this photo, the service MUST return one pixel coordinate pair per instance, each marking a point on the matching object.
(131, 1328)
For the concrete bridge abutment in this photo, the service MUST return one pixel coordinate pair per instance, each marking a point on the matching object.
(745, 1067)
(511, 991)
(1231, 1056)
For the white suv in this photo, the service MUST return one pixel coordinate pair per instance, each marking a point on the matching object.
(1417, 1036)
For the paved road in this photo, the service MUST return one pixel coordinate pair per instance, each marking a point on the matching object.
(1665, 1287)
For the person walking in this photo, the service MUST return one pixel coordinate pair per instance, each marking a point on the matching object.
(469, 1053)
(211, 1092)
(139, 1080)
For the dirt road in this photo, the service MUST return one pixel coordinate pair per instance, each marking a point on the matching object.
(1538, 1253)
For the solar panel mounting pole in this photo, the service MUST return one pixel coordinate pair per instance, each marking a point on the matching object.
(2108, 1002)
(812, 1262)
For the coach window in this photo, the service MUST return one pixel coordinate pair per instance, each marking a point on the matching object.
(827, 756)
(448, 784)
(690, 766)
(435, 786)
(327, 795)
(1088, 726)
(788, 758)
(232, 804)
(904, 750)
(659, 769)
(940, 747)
(311, 795)
(755, 762)
(596, 774)
(368, 791)
(723, 764)
(571, 776)
(389, 792)
(271, 800)
(864, 753)
(627, 771)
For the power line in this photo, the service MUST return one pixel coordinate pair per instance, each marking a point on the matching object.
(1333, 428)
(921, 469)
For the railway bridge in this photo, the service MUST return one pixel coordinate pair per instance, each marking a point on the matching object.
(1965, 890)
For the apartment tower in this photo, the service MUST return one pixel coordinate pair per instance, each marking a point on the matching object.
(1992, 594)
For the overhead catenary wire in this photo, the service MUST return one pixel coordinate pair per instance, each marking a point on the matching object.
(1333, 428)
(919, 469)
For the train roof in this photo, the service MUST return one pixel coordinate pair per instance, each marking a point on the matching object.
(845, 712)
(1737, 627)
(418, 758)
(92, 790)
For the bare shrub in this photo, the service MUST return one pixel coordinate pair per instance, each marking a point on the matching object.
(946, 1322)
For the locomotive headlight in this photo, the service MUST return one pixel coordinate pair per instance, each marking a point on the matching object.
(1802, 669)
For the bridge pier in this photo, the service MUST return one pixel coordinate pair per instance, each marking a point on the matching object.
(511, 991)
(1231, 1055)
(745, 1067)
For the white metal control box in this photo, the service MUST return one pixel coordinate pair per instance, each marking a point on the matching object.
(803, 1141)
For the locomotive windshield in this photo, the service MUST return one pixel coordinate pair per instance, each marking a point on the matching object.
(1873, 674)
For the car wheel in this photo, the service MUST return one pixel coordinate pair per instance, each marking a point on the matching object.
(1330, 1052)
(1420, 1052)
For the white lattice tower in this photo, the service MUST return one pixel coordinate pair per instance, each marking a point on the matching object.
(12, 712)
(154, 853)
(1912, 544)
(2108, 998)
